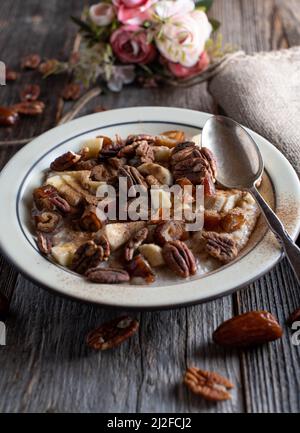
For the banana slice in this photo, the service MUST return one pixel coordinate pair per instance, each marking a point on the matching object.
(152, 253)
(162, 174)
(63, 253)
(119, 233)
(93, 146)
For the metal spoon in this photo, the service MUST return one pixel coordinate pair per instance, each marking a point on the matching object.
(240, 165)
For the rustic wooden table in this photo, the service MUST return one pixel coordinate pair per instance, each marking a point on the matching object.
(45, 366)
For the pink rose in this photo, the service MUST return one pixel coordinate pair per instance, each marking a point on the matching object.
(102, 14)
(129, 43)
(182, 72)
(133, 12)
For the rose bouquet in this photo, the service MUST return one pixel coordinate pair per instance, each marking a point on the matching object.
(148, 41)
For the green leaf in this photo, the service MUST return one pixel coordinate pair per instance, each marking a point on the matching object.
(215, 24)
(206, 4)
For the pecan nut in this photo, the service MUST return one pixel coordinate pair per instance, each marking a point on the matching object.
(220, 246)
(107, 275)
(31, 61)
(135, 242)
(133, 176)
(248, 329)
(179, 258)
(30, 92)
(71, 92)
(44, 243)
(8, 116)
(294, 317)
(169, 231)
(110, 149)
(112, 333)
(47, 221)
(65, 161)
(139, 267)
(89, 220)
(48, 67)
(30, 108)
(194, 163)
(46, 197)
(88, 255)
(208, 384)
(4, 306)
(11, 75)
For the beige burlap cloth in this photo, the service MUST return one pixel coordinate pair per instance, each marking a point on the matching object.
(262, 91)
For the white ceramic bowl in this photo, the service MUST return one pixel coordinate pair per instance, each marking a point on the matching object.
(24, 172)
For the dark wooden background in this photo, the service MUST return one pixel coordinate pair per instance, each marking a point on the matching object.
(45, 366)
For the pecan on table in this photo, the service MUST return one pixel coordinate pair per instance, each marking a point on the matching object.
(89, 255)
(150, 139)
(47, 221)
(30, 108)
(4, 306)
(248, 329)
(139, 267)
(137, 239)
(11, 75)
(107, 275)
(30, 92)
(30, 61)
(44, 243)
(220, 246)
(48, 67)
(65, 161)
(133, 176)
(169, 231)
(208, 384)
(89, 220)
(47, 197)
(112, 333)
(179, 258)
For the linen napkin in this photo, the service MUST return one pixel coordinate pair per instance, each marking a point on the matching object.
(262, 91)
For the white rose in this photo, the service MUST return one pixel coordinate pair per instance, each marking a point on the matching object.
(182, 38)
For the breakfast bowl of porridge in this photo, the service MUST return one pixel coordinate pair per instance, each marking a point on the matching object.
(122, 208)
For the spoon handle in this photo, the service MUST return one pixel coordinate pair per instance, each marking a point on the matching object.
(291, 250)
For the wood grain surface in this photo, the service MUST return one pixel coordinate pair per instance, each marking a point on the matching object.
(46, 366)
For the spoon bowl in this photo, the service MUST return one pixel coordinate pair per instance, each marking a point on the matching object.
(241, 164)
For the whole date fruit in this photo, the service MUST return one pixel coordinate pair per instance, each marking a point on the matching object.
(248, 329)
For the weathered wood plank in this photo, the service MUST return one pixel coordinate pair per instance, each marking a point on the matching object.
(47, 366)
